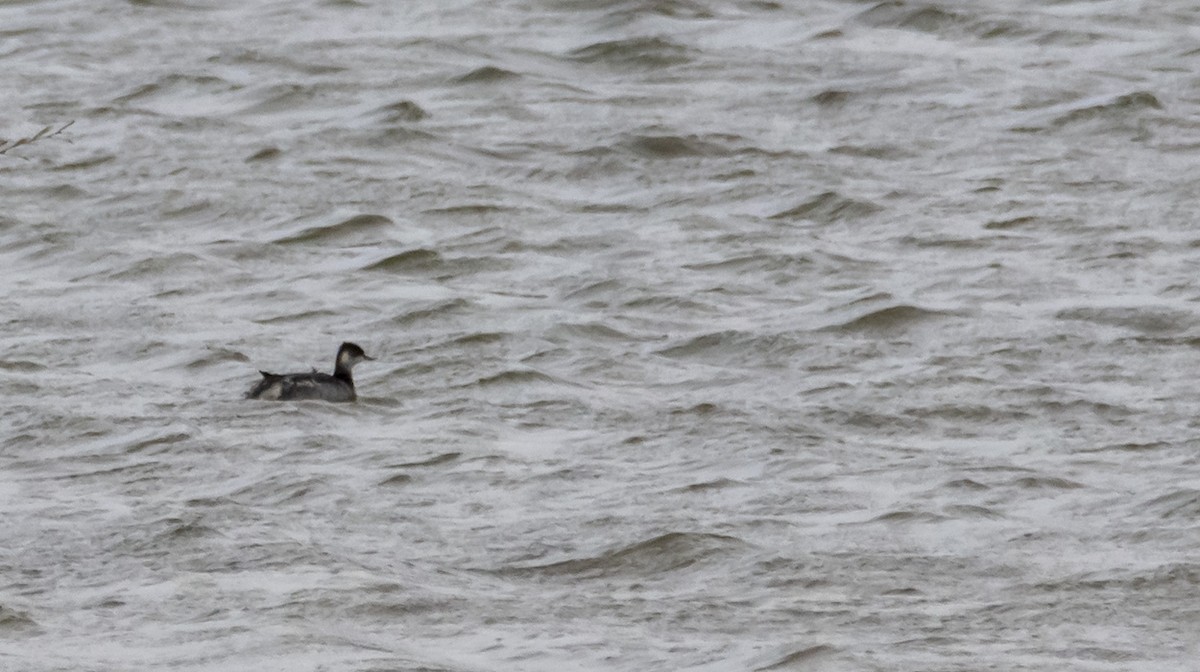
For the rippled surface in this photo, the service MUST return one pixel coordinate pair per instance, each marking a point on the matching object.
(721, 336)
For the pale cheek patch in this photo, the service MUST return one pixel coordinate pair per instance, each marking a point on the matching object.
(272, 393)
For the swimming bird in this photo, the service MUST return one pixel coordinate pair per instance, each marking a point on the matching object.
(315, 385)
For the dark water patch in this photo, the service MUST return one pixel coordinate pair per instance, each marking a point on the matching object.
(517, 377)
(488, 74)
(761, 262)
(975, 414)
(468, 209)
(158, 444)
(965, 484)
(188, 210)
(165, 536)
(891, 319)
(354, 228)
(256, 57)
(636, 52)
(396, 480)
(481, 338)
(125, 473)
(631, 9)
(1069, 38)
(390, 137)
(85, 164)
(665, 554)
(1132, 104)
(590, 331)
(1022, 222)
(907, 516)
(1184, 503)
(701, 409)
(608, 289)
(727, 346)
(831, 98)
(827, 208)
(881, 152)
(420, 260)
(264, 154)
(668, 303)
(400, 112)
(671, 146)
(435, 461)
(971, 511)
(156, 267)
(1144, 319)
(16, 622)
(1046, 483)
(302, 316)
(1122, 112)
(400, 607)
(870, 420)
(918, 17)
(20, 366)
(280, 98)
(739, 175)
(947, 242)
(708, 486)
(938, 20)
(1002, 30)
(217, 357)
(800, 659)
(432, 311)
(1181, 578)
(1133, 447)
(175, 85)
(277, 490)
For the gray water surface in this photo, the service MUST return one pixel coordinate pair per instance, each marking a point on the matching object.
(710, 336)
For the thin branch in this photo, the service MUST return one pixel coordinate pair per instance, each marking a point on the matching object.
(43, 134)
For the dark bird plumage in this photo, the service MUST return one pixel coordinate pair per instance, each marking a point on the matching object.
(315, 385)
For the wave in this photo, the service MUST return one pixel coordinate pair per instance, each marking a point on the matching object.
(662, 554)
(409, 261)
(736, 346)
(353, 227)
(829, 207)
(1046, 483)
(592, 331)
(804, 657)
(1126, 110)
(488, 74)
(1184, 503)
(519, 377)
(434, 310)
(402, 111)
(671, 146)
(659, 144)
(891, 318)
(927, 18)
(17, 622)
(763, 262)
(1119, 109)
(637, 52)
(1144, 319)
(921, 18)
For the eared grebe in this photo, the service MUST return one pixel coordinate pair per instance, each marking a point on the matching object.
(289, 386)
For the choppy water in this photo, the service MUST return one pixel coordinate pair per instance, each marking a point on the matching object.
(711, 336)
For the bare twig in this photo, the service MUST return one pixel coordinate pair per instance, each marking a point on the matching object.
(47, 132)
